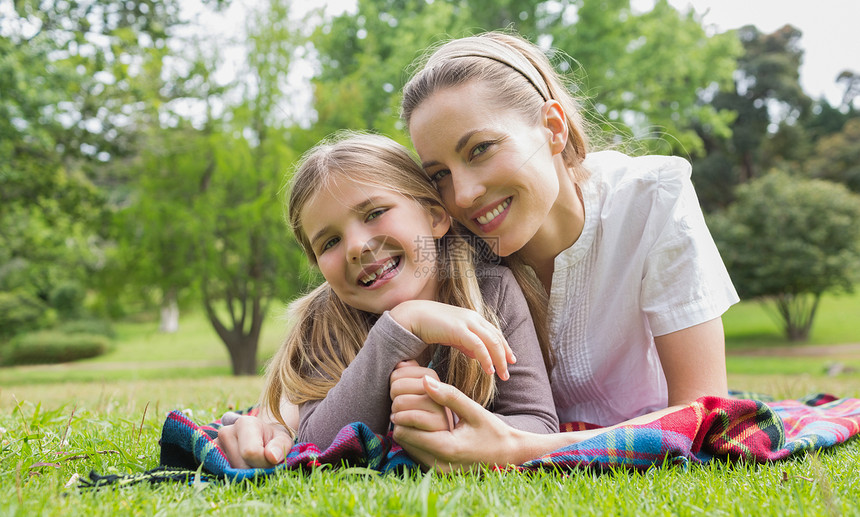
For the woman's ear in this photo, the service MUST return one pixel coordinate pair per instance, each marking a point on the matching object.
(440, 221)
(556, 124)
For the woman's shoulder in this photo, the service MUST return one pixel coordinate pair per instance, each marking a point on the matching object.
(615, 169)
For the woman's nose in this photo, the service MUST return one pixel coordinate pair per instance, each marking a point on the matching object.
(467, 189)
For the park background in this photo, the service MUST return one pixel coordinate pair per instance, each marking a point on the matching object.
(144, 258)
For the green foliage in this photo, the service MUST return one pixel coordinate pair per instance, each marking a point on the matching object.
(837, 156)
(77, 81)
(21, 311)
(771, 112)
(53, 346)
(790, 240)
(93, 327)
(67, 298)
(648, 71)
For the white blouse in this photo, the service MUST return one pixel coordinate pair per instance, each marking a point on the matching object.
(644, 266)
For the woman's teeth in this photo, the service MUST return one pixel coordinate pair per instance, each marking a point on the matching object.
(389, 265)
(492, 214)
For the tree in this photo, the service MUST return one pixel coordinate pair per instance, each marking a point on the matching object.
(651, 71)
(73, 77)
(787, 240)
(648, 70)
(770, 108)
(837, 156)
(206, 216)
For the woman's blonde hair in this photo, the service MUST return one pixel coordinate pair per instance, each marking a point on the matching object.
(516, 74)
(327, 333)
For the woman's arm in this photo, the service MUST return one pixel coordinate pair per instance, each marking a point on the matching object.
(694, 365)
(481, 438)
(694, 362)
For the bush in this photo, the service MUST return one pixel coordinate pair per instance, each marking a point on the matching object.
(88, 326)
(21, 311)
(67, 298)
(51, 346)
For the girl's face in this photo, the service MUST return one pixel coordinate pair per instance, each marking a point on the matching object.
(497, 172)
(375, 247)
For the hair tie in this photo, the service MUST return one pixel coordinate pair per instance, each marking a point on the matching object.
(500, 53)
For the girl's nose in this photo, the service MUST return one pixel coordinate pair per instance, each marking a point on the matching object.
(358, 245)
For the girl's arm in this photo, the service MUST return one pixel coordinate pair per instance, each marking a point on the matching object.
(694, 365)
(523, 402)
(361, 393)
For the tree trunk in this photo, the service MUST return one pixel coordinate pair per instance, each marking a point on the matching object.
(243, 354)
(169, 312)
(241, 345)
(797, 313)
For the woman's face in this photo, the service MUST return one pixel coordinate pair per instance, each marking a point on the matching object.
(375, 247)
(494, 168)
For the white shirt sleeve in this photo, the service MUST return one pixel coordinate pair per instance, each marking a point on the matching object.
(684, 280)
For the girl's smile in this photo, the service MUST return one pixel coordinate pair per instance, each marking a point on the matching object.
(375, 247)
(376, 275)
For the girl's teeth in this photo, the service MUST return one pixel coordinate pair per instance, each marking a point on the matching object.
(379, 272)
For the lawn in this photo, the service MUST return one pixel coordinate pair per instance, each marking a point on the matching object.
(105, 415)
(751, 324)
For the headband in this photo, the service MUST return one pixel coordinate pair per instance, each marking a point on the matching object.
(499, 52)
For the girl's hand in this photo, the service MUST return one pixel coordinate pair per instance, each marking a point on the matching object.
(464, 329)
(250, 442)
(409, 396)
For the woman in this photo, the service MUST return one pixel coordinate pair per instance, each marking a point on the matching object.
(635, 285)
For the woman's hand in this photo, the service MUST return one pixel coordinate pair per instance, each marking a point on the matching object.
(478, 438)
(408, 395)
(463, 329)
(251, 442)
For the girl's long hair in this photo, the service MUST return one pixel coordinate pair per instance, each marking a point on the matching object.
(327, 334)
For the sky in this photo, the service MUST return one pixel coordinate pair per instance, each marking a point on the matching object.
(829, 28)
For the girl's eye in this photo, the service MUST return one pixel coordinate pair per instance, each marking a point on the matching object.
(374, 214)
(437, 176)
(329, 243)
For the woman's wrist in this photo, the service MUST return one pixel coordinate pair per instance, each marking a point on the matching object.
(402, 314)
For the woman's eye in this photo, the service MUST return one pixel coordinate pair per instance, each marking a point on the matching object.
(480, 149)
(437, 176)
(329, 243)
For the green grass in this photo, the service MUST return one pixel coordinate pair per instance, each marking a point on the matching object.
(751, 324)
(105, 414)
(115, 428)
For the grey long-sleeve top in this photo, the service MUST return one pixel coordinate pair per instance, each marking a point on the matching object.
(362, 393)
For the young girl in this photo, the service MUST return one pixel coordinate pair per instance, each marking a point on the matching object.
(401, 285)
(635, 283)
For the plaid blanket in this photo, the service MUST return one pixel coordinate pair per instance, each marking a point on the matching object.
(710, 428)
